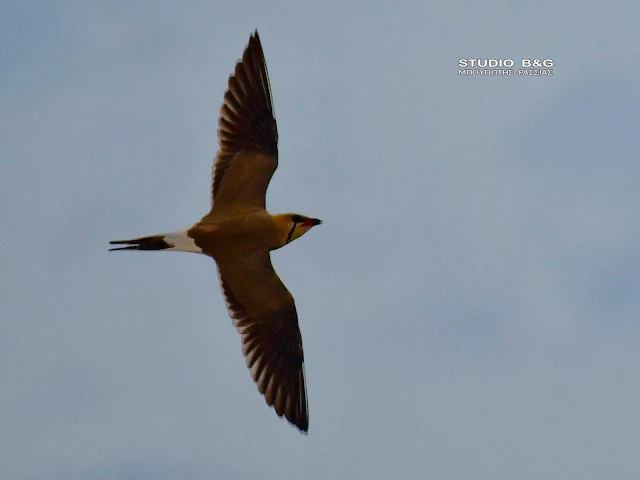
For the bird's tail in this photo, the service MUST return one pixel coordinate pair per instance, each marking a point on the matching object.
(154, 242)
(178, 241)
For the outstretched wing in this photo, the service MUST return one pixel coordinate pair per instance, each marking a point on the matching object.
(247, 133)
(264, 313)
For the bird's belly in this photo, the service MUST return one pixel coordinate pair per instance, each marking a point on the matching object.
(233, 238)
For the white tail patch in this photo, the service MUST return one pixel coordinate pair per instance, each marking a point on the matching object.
(181, 242)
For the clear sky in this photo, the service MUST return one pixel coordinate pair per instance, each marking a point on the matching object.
(470, 306)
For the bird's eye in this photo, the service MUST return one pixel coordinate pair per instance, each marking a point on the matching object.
(296, 218)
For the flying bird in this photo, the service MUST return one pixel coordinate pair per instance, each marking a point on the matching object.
(238, 233)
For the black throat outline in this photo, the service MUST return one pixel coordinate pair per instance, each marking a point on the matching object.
(293, 227)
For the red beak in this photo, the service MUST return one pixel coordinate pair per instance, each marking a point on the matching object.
(312, 222)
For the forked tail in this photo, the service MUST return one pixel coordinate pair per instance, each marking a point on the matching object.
(178, 241)
(154, 242)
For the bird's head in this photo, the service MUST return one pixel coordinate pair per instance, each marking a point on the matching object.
(292, 225)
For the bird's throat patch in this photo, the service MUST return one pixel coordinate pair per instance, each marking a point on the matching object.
(293, 227)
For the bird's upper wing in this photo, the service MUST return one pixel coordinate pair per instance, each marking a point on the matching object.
(264, 313)
(247, 133)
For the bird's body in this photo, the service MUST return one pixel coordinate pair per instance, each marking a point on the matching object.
(238, 233)
(235, 233)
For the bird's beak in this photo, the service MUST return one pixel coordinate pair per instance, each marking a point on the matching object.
(311, 222)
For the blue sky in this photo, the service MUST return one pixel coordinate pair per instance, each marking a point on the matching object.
(469, 306)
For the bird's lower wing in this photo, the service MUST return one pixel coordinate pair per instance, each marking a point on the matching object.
(264, 313)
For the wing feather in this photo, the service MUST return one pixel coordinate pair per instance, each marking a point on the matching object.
(247, 134)
(264, 313)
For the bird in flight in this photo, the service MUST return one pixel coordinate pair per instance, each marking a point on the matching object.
(238, 233)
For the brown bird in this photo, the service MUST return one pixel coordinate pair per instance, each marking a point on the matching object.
(238, 233)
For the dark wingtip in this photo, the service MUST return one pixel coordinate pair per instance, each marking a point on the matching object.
(299, 424)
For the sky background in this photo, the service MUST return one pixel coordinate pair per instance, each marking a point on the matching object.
(469, 307)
